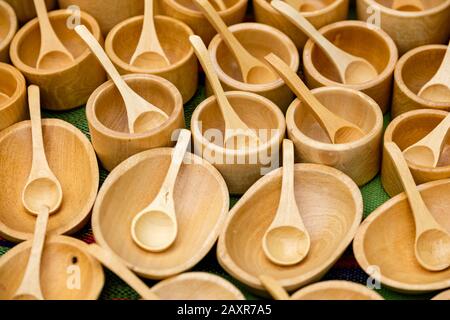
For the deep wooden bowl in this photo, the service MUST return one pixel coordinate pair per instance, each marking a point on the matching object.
(12, 84)
(70, 86)
(386, 240)
(63, 257)
(201, 203)
(25, 10)
(359, 159)
(336, 290)
(360, 39)
(445, 295)
(71, 158)
(173, 35)
(8, 28)
(331, 206)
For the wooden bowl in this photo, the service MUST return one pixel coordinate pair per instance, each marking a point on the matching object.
(239, 169)
(259, 40)
(173, 35)
(62, 258)
(197, 286)
(8, 28)
(331, 206)
(445, 295)
(108, 125)
(25, 10)
(71, 158)
(328, 11)
(405, 130)
(413, 71)
(201, 203)
(386, 240)
(360, 159)
(186, 11)
(108, 13)
(410, 29)
(12, 84)
(360, 39)
(70, 86)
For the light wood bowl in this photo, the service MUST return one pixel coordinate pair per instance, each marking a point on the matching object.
(62, 258)
(201, 203)
(258, 113)
(332, 11)
(70, 86)
(331, 206)
(413, 71)
(360, 159)
(386, 240)
(405, 130)
(8, 28)
(411, 29)
(12, 83)
(336, 290)
(108, 125)
(197, 286)
(25, 10)
(71, 158)
(259, 40)
(442, 296)
(173, 35)
(360, 39)
(186, 11)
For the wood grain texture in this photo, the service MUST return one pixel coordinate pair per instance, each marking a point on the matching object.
(12, 83)
(8, 28)
(336, 290)
(25, 10)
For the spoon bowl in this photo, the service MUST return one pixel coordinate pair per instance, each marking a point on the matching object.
(433, 249)
(150, 60)
(360, 71)
(421, 155)
(54, 60)
(45, 191)
(408, 5)
(286, 245)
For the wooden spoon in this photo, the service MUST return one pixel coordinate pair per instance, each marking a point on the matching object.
(237, 134)
(253, 70)
(427, 151)
(338, 130)
(273, 287)
(432, 243)
(155, 228)
(303, 5)
(351, 69)
(53, 54)
(408, 5)
(142, 115)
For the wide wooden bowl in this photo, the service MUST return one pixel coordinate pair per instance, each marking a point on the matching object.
(12, 84)
(445, 295)
(413, 71)
(331, 207)
(240, 169)
(25, 10)
(359, 159)
(63, 258)
(386, 240)
(360, 39)
(201, 203)
(71, 85)
(8, 28)
(259, 40)
(173, 35)
(321, 13)
(409, 29)
(71, 158)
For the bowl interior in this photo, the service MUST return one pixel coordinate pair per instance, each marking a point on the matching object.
(335, 290)
(189, 4)
(428, 4)
(313, 5)
(8, 82)
(5, 25)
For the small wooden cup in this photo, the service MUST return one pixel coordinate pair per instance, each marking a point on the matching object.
(409, 29)
(259, 40)
(240, 169)
(336, 290)
(8, 28)
(70, 86)
(12, 83)
(405, 130)
(174, 38)
(25, 10)
(186, 11)
(108, 125)
(330, 11)
(360, 39)
(413, 71)
(359, 159)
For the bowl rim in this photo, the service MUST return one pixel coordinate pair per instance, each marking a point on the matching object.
(408, 14)
(20, 87)
(316, 13)
(13, 24)
(197, 14)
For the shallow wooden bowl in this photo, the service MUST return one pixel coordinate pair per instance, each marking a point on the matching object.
(173, 35)
(359, 159)
(331, 206)
(70, 86)
(259, 40)
(386, 240)
(108, 124)
(328, 11)
(442, 296)
(410, 29)
(239, 169)
(12, 84)
(63, 259)
(360, 39)
(336, 290)
(413, 71)
(25, 10)
(8, 28)
(201, 203)
(71, 158)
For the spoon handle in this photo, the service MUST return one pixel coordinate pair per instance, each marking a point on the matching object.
(274, 288)
(287, 185)
(436, 138)
(443, 73)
